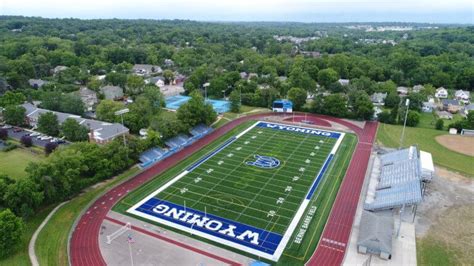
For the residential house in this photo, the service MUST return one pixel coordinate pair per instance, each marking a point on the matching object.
(418, 88)
(402, 91)
(37, 83)
(169, 63)
(146, 70)
(252, 75)
(441, 93)
(444, 115)
(468, 108)
(179, 78)
(463, 96)
(377, 111)
(282, 78)
(88, 97)
(158, 81)
(58, 69)
(428, 107)
(112, 92)
(244, 75)
(343, 82)
(451, 106)
(100, 132)
(378, 98)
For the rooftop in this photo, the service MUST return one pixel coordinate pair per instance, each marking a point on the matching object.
(102, 130)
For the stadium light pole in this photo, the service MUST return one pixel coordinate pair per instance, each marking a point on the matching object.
(120, 113)
(407, 103)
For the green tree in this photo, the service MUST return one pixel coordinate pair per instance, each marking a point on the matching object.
(327, 76)
(71, 104)
(106, 109)
(48, 124)
(23, 197)
(413, 117)
(196, 111)
(362, 106)
(153, 94)
(12, 98)
(11, 230)
(234, 99)
(416, 101)
(73, 131)
(439, 124)
(167, 126)
(51, 100)
(141, 111)
(135, 85)
(116, 79)
(385, 117)
(335, 105)
(169, 76)
(298, 97)
(392, 100)
(14, 115)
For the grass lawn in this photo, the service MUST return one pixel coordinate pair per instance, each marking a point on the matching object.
(428, 120)
(51, 245)
(14, 162)
(432, 252)
(21, 256)
(296, 253)
(389, 136)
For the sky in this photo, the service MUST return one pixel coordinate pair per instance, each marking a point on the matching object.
(431, 11)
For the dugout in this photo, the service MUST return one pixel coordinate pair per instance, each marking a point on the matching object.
(282, 106)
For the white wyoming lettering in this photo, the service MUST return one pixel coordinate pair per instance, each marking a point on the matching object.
(207, 223)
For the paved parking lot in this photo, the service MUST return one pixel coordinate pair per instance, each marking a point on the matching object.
(15, 134)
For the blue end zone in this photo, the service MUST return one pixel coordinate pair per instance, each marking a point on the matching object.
(303, 130)
(315, 184)
(205, 158)
(235, 232)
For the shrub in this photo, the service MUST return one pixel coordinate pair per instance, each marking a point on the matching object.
(27, 141)
(439, 124)
(3, 133)
(50, 147)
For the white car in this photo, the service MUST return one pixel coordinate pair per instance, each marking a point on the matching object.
(46, 138)
(34, 134)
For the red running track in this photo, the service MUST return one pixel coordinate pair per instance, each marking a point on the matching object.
(84, 243)
(335, 237)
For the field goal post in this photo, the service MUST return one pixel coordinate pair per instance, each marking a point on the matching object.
(120, 231)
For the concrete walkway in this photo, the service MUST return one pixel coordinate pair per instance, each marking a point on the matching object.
(31, 245)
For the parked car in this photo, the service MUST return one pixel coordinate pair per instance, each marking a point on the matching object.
(34, 134)
(7, 127)
(17, 129)
(46, 138)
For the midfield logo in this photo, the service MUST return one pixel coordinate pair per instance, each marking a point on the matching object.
(264, 162)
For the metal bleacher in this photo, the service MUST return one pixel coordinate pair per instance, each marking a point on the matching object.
(399, 182)
(405, 194)
(154, 155)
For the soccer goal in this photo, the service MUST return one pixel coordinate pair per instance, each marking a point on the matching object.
(121, 230)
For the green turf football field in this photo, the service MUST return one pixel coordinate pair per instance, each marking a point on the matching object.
(268, 199)
(252, 188)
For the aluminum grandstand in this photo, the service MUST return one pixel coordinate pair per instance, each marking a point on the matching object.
(156, 154)
(398, 180)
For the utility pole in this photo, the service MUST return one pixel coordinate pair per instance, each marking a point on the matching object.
(407, 103)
